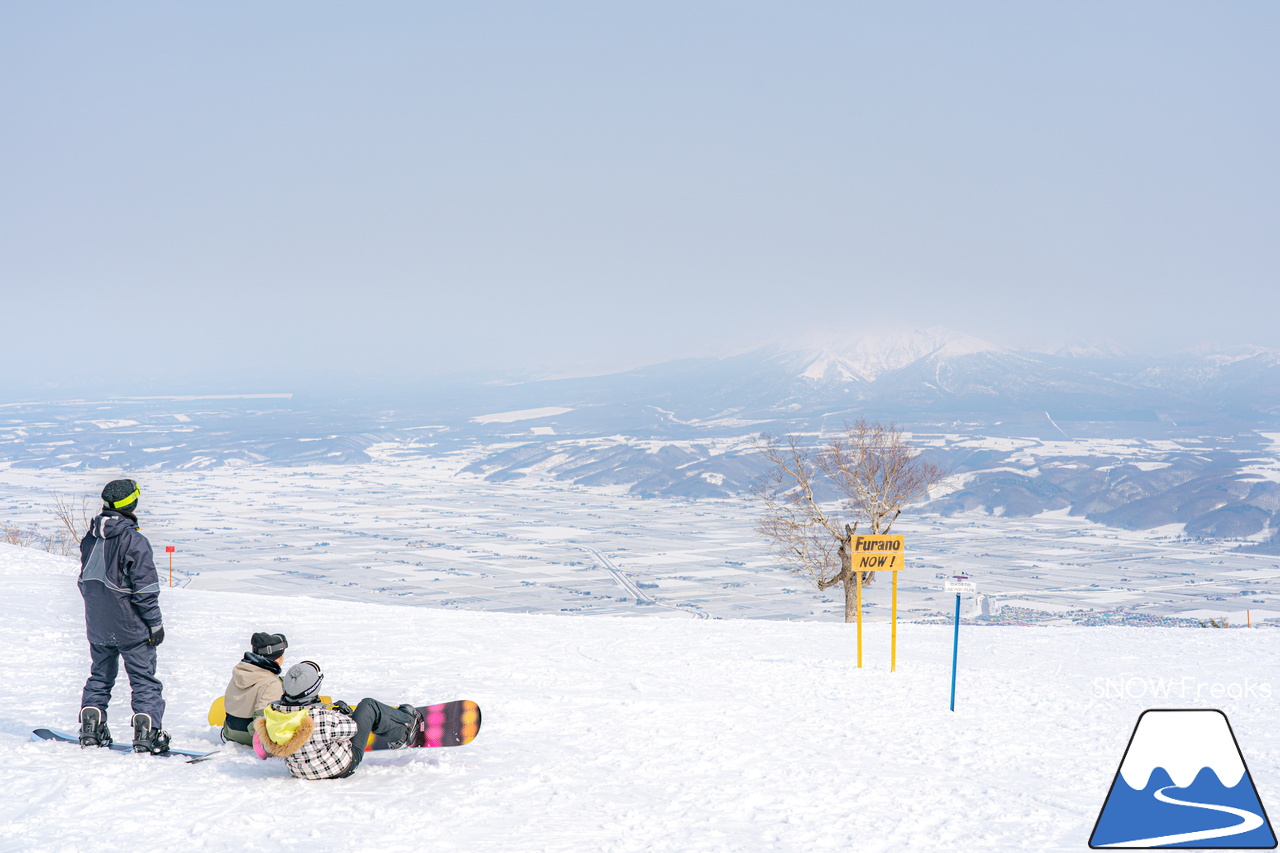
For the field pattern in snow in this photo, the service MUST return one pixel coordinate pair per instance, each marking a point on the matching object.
(422, 532)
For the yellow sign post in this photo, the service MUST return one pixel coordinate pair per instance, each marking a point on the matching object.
(883, 553)
(858, 579)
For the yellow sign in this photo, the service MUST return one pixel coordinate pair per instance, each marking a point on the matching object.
(879, 554)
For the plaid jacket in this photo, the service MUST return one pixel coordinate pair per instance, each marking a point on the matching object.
(319, 749)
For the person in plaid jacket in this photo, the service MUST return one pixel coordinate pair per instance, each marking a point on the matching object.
(319, 742)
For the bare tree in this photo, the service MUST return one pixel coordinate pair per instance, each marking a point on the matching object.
(16, 536)
(74, 520)
(874, 473)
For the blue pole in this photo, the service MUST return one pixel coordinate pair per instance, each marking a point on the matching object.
(955, 653)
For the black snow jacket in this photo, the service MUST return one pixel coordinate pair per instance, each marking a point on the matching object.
(118, 581)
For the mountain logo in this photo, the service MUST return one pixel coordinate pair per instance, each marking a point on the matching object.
(1183, 783)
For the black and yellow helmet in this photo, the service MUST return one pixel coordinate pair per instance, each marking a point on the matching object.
(120, 495)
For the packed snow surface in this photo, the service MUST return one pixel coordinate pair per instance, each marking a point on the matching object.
(613, 734)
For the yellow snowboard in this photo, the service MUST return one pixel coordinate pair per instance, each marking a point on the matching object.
(218, 710)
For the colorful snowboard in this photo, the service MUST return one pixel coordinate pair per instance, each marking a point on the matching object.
(447, 724)
(51, 734)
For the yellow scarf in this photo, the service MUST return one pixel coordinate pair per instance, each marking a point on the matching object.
(282, 726)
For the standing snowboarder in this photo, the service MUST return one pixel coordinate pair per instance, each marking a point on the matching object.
(122, 619)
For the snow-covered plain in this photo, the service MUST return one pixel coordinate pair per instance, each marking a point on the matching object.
(411, 530)
(614, 734)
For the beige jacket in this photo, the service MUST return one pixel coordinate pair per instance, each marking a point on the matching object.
(250, 689)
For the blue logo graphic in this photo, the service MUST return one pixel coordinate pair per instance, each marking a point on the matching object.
(1183, 783)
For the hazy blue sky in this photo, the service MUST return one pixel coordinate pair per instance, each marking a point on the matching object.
(270, 190)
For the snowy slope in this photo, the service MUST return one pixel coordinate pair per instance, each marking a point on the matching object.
(616, 734)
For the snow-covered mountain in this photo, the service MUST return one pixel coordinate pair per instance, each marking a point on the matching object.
(938, 372)
(1083, 349)
(830, 367)
(927, 375)
(683, 428)
(867, 358)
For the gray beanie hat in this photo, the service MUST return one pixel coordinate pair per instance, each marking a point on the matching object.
(302, 682)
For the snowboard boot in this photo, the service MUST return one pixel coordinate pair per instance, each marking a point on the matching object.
(93, 727)
(147, 739)
(414, 730)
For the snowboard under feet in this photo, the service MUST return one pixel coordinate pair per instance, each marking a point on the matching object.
(53, 734)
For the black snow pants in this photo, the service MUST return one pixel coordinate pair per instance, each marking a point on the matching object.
(374, 717)
(139, 664)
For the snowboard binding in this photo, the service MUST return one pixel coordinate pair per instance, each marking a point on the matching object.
(148, 739)
(93, 727)
(414, 730)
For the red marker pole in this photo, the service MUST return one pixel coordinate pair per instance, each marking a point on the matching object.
(169, 550)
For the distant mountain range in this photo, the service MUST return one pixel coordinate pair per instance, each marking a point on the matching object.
(938, 373)
(683, 428)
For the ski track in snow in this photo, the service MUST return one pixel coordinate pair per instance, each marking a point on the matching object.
(607, 734)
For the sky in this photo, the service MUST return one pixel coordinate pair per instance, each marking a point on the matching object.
(274, 193)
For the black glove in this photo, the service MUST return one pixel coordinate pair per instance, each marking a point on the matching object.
(343, 708)
(157, 635)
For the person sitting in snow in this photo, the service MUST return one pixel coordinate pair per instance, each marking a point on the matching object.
(318, 742)
(254, 684)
